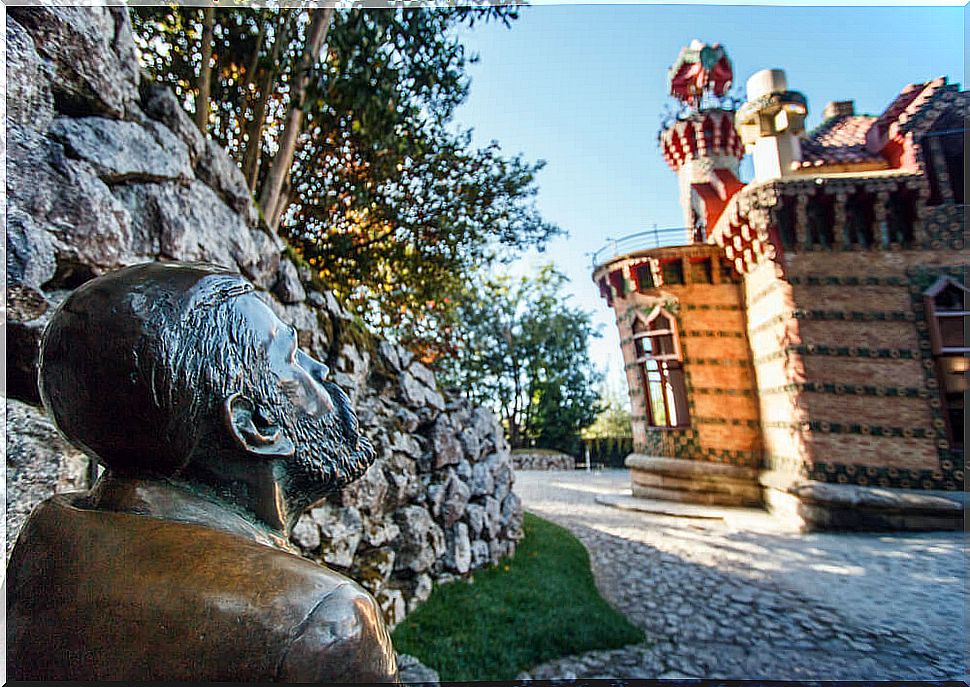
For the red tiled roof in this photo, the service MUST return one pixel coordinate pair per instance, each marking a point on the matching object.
(888, 134)
(860, 139)
(839, 141)
(909, 101)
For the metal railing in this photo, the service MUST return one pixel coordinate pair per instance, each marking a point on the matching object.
(643, 240)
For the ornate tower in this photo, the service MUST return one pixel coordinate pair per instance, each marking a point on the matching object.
(680, 312)
(701, 145)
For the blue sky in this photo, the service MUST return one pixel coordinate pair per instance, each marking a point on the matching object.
(583, 87)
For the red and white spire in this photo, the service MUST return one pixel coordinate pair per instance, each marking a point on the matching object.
(702, 145)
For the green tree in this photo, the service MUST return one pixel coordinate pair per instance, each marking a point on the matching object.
(382, 196)
(524, 353)
(614, 419)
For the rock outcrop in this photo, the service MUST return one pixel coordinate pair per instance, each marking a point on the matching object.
(105, 170)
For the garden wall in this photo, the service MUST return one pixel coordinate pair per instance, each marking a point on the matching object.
(542, 459)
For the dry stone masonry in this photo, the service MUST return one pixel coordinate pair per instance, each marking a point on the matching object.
(542, 460)
(106, 170)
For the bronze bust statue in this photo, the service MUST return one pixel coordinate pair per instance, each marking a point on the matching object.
(216, 432)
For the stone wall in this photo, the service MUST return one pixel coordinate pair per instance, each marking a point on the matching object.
(542, 460)
(106, 170)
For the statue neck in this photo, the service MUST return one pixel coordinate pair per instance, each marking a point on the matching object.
(188, 502)
(252, 487)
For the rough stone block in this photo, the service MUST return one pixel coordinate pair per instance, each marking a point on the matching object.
(39, 464)
(475, 515)
(482, 482)
(306, 534)
(30, 103)
(446, 446)
(459, 553)
(124, 151)
(339, 539)
(90, 53)
(422, 542)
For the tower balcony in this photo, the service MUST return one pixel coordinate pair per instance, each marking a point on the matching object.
(658, 259)
(633, 244)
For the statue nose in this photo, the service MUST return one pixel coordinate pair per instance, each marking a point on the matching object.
(317, 370)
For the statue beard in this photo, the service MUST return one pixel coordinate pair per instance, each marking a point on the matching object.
(330, 452)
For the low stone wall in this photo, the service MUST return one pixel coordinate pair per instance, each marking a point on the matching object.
(810, 506)
(693, 481)
(106, 170)
(541, 460)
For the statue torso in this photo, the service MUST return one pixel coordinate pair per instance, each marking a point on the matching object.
(104, 595)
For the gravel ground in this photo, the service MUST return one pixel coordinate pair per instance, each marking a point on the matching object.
(735, 595)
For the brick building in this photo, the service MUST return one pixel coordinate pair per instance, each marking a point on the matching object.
(801, 343)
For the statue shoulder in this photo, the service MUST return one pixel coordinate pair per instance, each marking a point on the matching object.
(343, 639)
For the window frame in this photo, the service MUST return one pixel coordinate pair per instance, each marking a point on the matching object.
(941, 353)
(665, 364)
(933, 316)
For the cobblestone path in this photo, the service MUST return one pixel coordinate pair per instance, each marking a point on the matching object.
(740, 597)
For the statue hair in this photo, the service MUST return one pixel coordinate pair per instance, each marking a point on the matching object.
(134, 365)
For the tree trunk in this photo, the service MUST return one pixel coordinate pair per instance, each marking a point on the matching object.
(516, 434)
(274, 221)
(254, 131)
(250, 76)
(205, 72)
(271, 196)
(249, 93)
(527, 421)
(514, 439)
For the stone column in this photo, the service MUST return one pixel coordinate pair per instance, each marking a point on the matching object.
(880, 231)
(938, 161)
(838, 226)
(801, 221)
(920, 212)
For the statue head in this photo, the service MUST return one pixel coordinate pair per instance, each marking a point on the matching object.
(179, 371)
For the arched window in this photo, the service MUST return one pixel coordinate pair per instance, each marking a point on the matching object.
(660, 369)
(947, 312)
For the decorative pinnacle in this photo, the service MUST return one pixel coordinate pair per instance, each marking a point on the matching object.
(700, 69)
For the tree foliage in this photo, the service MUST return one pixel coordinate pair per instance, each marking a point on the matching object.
(386, 199)
(524, 353)
(614, 419)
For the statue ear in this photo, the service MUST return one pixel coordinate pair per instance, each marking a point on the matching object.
(252, 431)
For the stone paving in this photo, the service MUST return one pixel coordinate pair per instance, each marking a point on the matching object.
(735, 595)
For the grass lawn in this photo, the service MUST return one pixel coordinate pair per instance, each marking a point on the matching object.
(533, 607)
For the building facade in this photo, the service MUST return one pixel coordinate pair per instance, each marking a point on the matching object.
(801, 343)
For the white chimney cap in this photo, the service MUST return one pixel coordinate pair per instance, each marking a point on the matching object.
(766, 81)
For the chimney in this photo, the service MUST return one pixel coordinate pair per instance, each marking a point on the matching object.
(838, 108)
(770, 124)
